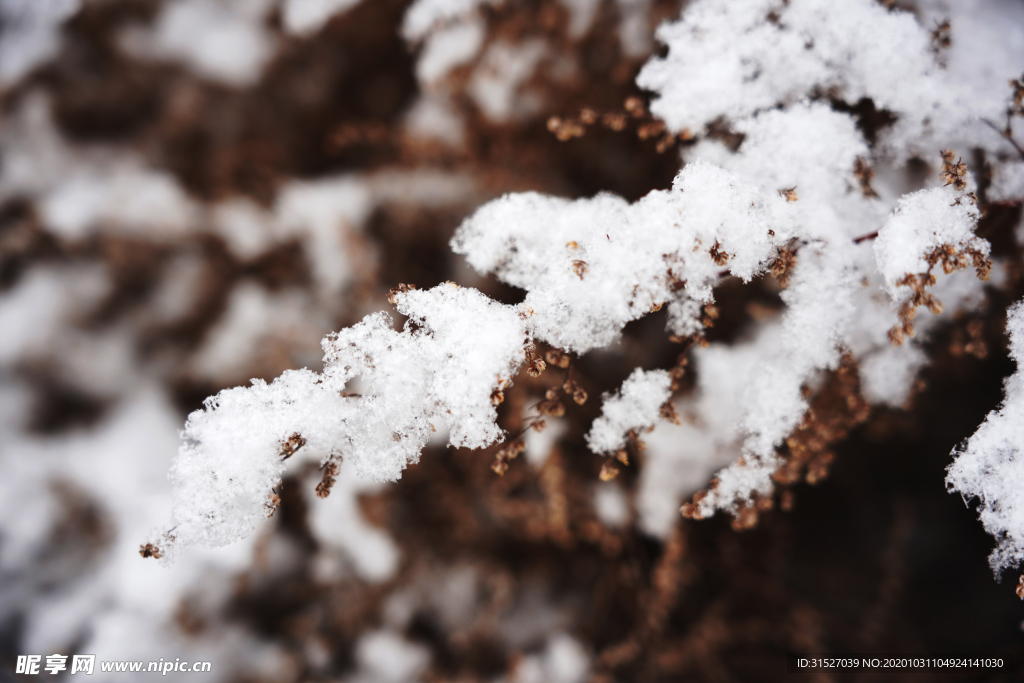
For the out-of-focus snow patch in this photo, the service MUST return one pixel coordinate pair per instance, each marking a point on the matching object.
(539, 444)
(424, 16)
(339, 527)
(30, 34)
(386, 657)
(581, 15)
(496, 84)
(1007, 182)
(610, 504)
(308, 16)
(433, 117)
(125, 198)
(257, 321)
(223, 40)
(563, 660)
(448, 48)
(635, 32)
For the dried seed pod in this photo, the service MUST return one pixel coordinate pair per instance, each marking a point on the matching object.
(292, 444)
(400, 289)
(557, 358)
(614, 121)
(534, 364)
(609, 470)
(323, 489)
(668, 413)
(150, 550)
(635, 106)
(273, 502)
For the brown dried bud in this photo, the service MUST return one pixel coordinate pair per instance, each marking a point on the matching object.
(635, 106)
(558, 358)
(323, 489)
(400, 289)
(746, 518)
(863, 172)
(942, 36)
(552, 408)
(291, 445)
(782, 266)
(507, 454)
(718, 255)
(273, 502)
(650, 130)
(534, 365)
(668, 413)
(789, 193)
(666, 141)
(150, 550)
(614, 121)
(579, 396)
(622, 456)
(609, 470)
(1020, 587)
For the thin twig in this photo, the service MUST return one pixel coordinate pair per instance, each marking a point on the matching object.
(1005, 132)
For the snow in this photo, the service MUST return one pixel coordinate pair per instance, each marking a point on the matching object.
(307, 16)
(223, 40)
(1008, 182)
(610, 504)
(339, 527)
(424, 16)
(29, 34)
(990, 465)
(592, 265)
(581, 15)
(789, 50)
(921, 223)
(448, 48)
(496, 84)
(457, 350)
(634, 408)
(387, 657)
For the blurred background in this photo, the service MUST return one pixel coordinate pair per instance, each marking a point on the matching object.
(194, 192)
